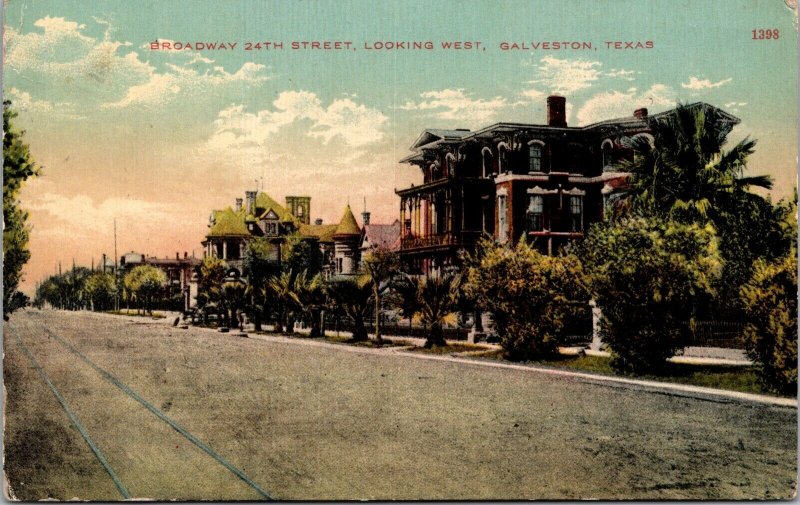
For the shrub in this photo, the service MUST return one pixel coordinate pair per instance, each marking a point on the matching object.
(646, 275)
(770, 303)
(530, 295)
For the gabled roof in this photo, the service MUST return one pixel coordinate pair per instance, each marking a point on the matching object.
(323, 232)
(382, 235)
(228, 223)
(348, 224)
(436, 134)
(266, 202)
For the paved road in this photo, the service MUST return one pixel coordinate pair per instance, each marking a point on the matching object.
(320, 421)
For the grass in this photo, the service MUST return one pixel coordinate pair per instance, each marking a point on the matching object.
(133, 312)
(364, 343)
(733, 378)
(453, 348)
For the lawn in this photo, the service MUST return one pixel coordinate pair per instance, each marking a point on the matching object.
(733, 378)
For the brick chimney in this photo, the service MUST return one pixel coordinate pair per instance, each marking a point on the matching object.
(556, 111)
(238, 204)
(250, 197)
(640, 113)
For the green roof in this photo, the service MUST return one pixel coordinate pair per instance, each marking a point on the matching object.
(348, 225)
(264, 201)
(228, 222)
(324, 232)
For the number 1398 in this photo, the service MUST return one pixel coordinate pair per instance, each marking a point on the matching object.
(766, 34)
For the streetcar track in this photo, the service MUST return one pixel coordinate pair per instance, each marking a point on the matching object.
(72, 417)
(161, 415)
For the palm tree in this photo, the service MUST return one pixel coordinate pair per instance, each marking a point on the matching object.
(406, 289)
(379, 266)
(351, 298)
(309, 295)
(282, 287)
(438, 298)
(685, 173)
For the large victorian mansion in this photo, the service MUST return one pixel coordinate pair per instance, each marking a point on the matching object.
(507, 181)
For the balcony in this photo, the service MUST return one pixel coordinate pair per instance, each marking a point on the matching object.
(466, 238)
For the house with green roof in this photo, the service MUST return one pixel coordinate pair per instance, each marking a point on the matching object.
(259, 215)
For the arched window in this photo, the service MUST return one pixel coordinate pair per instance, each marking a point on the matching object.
(450, 164)
(502, 149)
(605, 150)
(535, 150)
(488, 161)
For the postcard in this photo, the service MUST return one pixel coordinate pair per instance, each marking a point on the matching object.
(400, 250)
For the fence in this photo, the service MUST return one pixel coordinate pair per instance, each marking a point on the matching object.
(726, 334)
(395, 329)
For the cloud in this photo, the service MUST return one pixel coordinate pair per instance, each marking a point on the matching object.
(79, 214)
(22, 101)
(698, 84)
(457, 105)
(627, 75)
(617, 104)
(566, 76)
(74, 67)
(354, 124)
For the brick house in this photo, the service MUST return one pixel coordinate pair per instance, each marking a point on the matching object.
(547, 183)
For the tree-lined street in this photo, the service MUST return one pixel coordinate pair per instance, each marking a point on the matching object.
(309, 420)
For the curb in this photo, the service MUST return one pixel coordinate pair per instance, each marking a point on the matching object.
(697, 392)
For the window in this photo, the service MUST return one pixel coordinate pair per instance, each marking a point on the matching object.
(535, 156)
(488, 161)
(576, 213)
(299, 211)
(502, 218)
(536, 213)
(605, 149)
(502, 149)
(271, 228)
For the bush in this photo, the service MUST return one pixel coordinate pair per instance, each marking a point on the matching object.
(530, 295)
(646, 275)
(770, 303)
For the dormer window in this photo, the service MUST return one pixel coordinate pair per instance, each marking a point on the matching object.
(271, 228)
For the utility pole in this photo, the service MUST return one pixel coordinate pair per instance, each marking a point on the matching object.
(116, 280)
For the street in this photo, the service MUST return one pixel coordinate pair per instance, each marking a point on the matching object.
(196, 414)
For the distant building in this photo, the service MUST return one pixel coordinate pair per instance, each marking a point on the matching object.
(179, 272)
(258, 215)
(546, 183)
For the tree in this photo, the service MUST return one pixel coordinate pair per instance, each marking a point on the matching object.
(301, 255)
(259, 265)
(282, 287)
(309, 296)
(530, 295)
(17, 168)
(438, 298)
(770, 335)
(351, 298)
(145, 282)
(210, 281)
(406, 297)
(647, 276)
(379, 265)
(685, 174)
(99, 288)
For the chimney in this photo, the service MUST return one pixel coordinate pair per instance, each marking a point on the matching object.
(238, 204)
(556, 111)
(250, 196)
(177, 255)
(640, 113)
(365, 218)
(185, 255)
(318, 221)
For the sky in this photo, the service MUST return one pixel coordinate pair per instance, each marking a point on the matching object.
(157, 138)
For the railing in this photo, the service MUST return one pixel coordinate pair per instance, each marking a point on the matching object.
(726, 334)
(467, 237)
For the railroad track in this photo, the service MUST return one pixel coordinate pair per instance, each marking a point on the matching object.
(158, 413)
